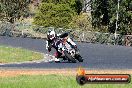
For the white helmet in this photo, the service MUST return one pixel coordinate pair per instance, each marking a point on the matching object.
(51, 34)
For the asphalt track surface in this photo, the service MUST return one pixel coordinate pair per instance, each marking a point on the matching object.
(96, 56)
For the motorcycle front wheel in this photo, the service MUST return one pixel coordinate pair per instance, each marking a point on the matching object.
(79, 58)
(69, 57)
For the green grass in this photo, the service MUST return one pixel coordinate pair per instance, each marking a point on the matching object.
(51, 81)
(9, 54)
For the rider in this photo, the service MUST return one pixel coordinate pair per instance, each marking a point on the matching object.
(66, 39)
(53, 41)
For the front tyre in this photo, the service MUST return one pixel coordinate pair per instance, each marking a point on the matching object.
(79, 58)
(70, 58)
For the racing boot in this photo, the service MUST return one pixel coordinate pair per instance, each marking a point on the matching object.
(57, 60)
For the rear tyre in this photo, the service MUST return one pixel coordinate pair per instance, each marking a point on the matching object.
(70, 58)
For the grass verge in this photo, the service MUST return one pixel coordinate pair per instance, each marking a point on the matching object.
(51, 81)
(9, 54)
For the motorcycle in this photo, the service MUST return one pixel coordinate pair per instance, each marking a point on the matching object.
(70, 53)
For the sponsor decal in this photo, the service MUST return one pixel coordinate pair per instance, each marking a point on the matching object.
(83, 78)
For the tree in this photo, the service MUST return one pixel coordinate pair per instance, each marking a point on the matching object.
(13, 9)
(125, 16)
(81, 22)
(78, 6)
(99, 13)
(57, 15)
(74, 4)
(104, 14)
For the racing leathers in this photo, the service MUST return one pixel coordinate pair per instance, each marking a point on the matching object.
(53, 43)
(57, 44)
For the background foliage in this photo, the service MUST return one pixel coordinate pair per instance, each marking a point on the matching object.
(104, 14)
(57, 13)
(10, 10)
(82, 22)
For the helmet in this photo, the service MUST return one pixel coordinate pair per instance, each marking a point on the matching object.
(51, 34)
